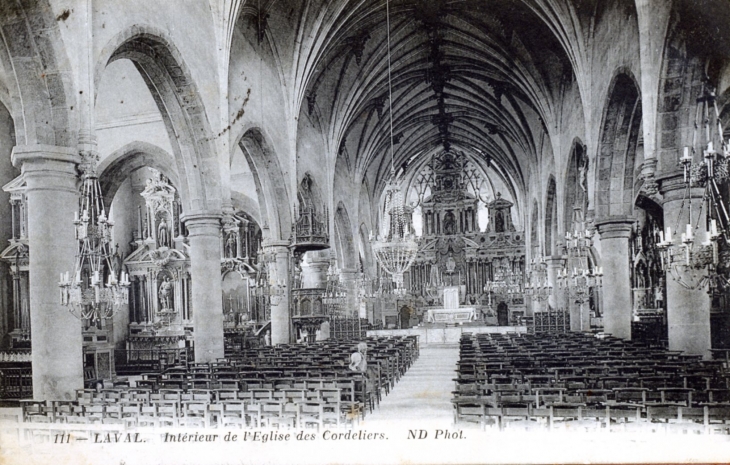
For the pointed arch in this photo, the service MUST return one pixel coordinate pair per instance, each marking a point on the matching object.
(35, 69)
(117, 166)
(620, 130)
(274, 204)
(346, 251)
(176, 94)
(575, 190)
(551, 217)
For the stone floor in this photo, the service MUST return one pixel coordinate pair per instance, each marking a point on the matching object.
(424, 392)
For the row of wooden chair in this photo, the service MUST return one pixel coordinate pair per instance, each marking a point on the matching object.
(579, 418)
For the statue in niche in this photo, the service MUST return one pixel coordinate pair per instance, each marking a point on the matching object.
(499, 221)
(165, 294)
(450, 264)
(583, 172)
(163, 236)
(231, 245)
(449, 224)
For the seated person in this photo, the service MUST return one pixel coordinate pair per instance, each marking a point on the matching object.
(358, 361)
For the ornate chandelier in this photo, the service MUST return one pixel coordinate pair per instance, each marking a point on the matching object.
(96, 289)
(691, 263)
(396, 247)
(583, 277)
(334, 297)
(537, 285)
(506, 285)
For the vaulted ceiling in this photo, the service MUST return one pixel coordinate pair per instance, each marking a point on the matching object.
(465, 74)
(483, 77)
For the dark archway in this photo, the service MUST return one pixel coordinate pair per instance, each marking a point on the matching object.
(274, 204)
(618, 141)
(117, 167)
(347, 255)
(551, 216)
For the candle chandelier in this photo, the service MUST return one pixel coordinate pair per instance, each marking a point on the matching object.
(537, 284)
(396, 247)
(700, 257)
(95, 290)
(335, 293)
(506, 285)
(583, 277)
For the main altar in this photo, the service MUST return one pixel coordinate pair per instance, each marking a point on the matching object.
(452, 312)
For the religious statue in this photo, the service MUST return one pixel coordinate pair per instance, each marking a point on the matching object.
(449, 224)
(450, 264)
(231, 245)
(583, 173)
(162, 234)
(499, 221)
(165, 294)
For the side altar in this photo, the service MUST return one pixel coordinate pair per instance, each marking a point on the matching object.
(451, 313)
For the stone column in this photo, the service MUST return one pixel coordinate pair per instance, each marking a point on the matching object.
(52, 195)
(558, 299)
(352, 304)
(280, 317)
(205, 271)
(688, 311)
(314, 271)
(617, 301)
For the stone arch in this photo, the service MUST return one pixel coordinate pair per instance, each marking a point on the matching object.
(551, 217)
(365, 250)
(170, 82)
(247, 204)
(35, 65)
(117, 167)
(347, 256)
(575, 189)
(274, 204)
(617, 143)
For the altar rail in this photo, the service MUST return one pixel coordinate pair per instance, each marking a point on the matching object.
(448, 335)
(137, 361)
(16, 380)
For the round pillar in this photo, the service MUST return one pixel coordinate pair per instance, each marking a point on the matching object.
(280, 317)
(688, 311)
(557, 300)
(352, 304)
(52, 195)
(314, 271)
(615, 233)
(205, 271)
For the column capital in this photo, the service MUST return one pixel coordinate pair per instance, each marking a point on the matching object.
(47, 167)
(203, 224)
(618, 227)
(648, 166)
(672, 187)
(555, 260)
(23, 154)
(275, 245)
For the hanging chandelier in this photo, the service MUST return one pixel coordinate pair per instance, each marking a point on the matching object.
(95, 290)
(691, 263)
(537, 284)
(578, 277)
(396, 247)
(507, 284)
(334, 297)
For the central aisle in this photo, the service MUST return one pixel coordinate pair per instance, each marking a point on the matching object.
(424, 392)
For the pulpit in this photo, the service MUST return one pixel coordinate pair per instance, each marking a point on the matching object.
(451, 313)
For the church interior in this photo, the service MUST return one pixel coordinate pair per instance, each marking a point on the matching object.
(206, 206)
